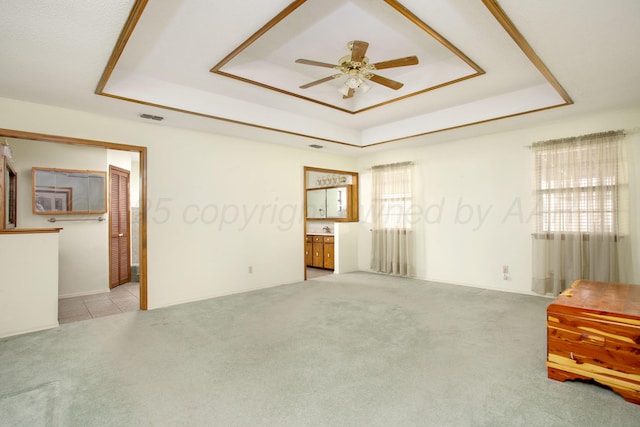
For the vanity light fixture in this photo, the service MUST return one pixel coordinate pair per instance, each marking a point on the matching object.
(151, 117)
(5, 149)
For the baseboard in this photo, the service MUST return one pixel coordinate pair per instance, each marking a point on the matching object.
(218, 295)
(83, 294)
(27, 331)
(471, 285)
(488, 288)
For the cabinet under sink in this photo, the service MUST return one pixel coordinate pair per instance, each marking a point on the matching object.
(319, 250)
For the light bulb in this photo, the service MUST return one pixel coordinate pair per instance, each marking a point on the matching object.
(353, 82)
(344, 89)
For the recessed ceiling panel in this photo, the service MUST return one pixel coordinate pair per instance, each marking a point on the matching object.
(323, 30)
(462, 63)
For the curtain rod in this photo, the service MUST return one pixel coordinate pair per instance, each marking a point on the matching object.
(392, 164)
(581, 137)
(632, 130)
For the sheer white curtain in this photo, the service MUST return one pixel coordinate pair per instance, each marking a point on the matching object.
(392, 239)
(581, 199)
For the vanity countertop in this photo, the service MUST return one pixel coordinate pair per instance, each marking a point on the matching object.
(320, 234)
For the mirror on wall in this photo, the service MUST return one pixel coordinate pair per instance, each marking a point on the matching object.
(317, 203)
(327, 202)
(337, 202)
(8, 193)
(68, 191)
(331, 194)
(11, 196)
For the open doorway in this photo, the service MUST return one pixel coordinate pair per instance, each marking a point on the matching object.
(123, 294)
(330, 201)
(140, 237)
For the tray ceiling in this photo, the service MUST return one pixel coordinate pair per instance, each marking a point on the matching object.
(230, 67)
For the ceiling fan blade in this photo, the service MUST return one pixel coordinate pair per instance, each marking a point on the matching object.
(317, 82)
(349, 94)
(359, 50)
(386, 82)
(316, 63)
(400, 62)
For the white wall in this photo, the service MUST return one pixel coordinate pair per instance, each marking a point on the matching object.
(346, 247)
(120, 159)
(84, 263)
(475, 196)
(29, 286)
(217, 204)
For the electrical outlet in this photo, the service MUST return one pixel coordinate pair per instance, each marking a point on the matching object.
(505, 272)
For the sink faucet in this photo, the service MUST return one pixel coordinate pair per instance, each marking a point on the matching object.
(326, 229)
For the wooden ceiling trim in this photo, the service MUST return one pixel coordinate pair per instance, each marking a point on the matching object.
(434, 34)
(410, 16)
(269, 25)
(127, 30)
(491, 5)
(225, 119)
(526, 48)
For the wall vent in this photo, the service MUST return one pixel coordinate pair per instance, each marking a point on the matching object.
(151, 117)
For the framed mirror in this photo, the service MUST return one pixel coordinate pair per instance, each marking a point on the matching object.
(330, 195)
(8, 193)
(330, 203)
(337, 202)
(317, 203)
(68, 191)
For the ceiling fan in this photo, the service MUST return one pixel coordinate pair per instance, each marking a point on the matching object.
(358, 70)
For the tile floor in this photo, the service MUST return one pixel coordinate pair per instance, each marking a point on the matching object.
(121, 299)
(313, 273)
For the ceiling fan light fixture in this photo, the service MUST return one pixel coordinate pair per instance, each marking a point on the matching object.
(357, 70)
(353, 82)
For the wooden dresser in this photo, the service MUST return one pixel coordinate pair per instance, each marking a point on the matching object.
(593, 333)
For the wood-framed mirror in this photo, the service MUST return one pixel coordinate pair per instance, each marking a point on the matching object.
(8, 194)
(68, 191)
(328, 203)
(331, 195)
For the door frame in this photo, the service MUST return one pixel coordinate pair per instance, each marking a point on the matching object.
(142, 152)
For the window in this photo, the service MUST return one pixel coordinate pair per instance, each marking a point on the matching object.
(576, 190)
(581, 195)
(391, 246)
(392, 198)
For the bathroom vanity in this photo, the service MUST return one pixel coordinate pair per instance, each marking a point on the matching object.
(331, 203)
(319, 251)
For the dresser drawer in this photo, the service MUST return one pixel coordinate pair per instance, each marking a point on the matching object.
(605, 344)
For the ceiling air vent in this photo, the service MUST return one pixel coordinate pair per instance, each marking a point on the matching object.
(151, 117)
